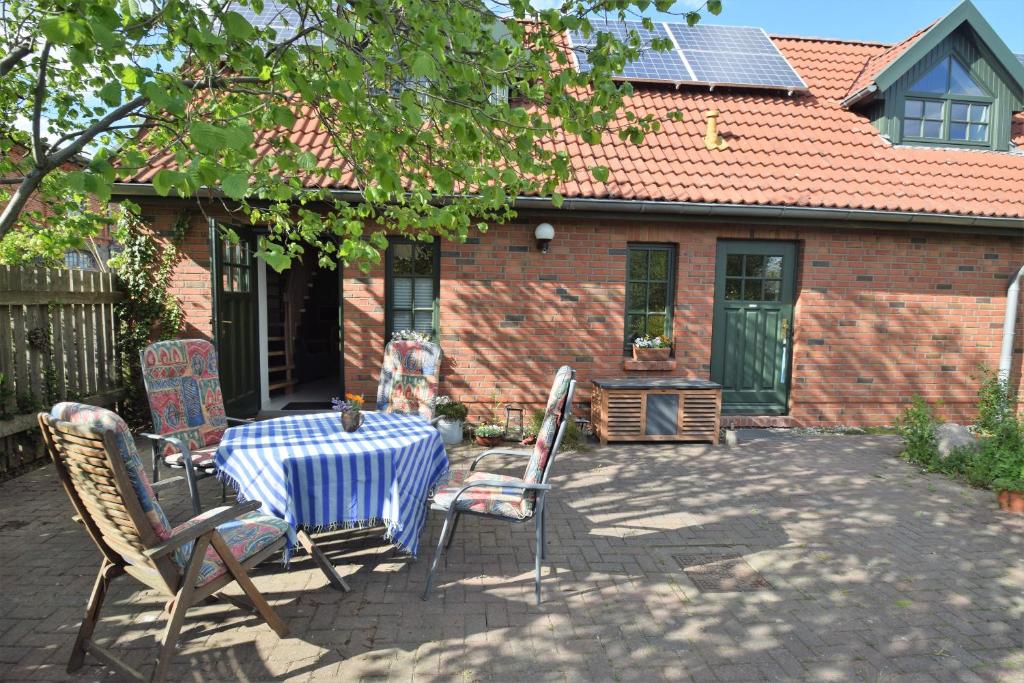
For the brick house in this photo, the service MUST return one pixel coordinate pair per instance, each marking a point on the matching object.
(824, 251)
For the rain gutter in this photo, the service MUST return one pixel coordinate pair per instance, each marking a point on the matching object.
(697, 210)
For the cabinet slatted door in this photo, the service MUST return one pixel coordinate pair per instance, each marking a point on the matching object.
(662, 409)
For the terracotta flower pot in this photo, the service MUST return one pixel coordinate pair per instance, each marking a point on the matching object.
(640, 353)
(1011, 501)
(488, 441)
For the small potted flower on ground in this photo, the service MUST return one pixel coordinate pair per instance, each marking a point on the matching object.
(452, 414)
(489, 435)
(351, 411)
(650, 347)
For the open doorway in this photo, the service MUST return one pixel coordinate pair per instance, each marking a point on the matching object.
(303, 337)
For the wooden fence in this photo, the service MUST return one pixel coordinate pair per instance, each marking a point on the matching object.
(56, 343)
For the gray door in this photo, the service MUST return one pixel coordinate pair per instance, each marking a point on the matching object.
(752, 325)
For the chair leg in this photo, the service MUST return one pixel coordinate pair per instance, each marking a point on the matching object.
(108, 571)
(193, 487)
(543, 535)
(242, 577)
(156, 464)
(538, 552)
(451, 535)
(170, 637)
(179, 605)
(322, 561)
(437, 555)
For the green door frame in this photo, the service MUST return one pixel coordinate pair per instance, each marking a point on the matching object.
(751, 345)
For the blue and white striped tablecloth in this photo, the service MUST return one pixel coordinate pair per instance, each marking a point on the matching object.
(308, 471)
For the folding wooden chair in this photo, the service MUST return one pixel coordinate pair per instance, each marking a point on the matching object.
(100, 469)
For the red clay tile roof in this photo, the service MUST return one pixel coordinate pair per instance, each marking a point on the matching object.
(803, 151)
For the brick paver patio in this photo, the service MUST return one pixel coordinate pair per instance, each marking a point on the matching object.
(859, 568)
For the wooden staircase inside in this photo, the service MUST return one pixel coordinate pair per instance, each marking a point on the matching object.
(287, 294)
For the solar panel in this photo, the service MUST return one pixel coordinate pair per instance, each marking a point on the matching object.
(651, 66)
(282, 18)
(1020, 58)
(704, 54)
(735, 55)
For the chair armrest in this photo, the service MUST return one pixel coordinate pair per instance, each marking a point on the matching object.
(173, 440)
(205, 522)
(164, 482)
(241, 420)
(516, 452)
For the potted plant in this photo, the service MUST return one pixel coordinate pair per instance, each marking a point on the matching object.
(410, 335)
(650, 347)
(351, 411)
(1010, 494)
(489, 435)
(452, 414)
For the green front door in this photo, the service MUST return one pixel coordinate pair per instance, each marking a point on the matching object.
(235, 321)
(752, 325)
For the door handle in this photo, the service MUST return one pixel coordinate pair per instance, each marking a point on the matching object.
(785, 350)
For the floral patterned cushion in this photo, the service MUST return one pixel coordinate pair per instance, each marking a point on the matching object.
(492, 500)
(246, 536)
(101, 418)
(183, 386)
(408, 379)
(549, 427)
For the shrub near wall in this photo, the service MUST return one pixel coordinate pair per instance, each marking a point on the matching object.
(996, 463)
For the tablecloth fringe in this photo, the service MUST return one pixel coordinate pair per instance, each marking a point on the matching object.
(391, 527)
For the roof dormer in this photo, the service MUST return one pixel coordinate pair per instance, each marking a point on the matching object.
(953, 84)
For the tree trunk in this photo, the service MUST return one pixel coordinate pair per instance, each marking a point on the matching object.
(9, 217)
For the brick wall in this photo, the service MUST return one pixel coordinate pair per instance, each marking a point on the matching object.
(879, 315)
(190, 280)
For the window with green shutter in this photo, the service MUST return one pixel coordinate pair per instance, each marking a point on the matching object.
(650, 286)
(412, 286)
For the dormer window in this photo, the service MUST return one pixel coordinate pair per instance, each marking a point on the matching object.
(947, 105)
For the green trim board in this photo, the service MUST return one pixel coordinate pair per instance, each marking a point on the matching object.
(963, 13)
(962, 47)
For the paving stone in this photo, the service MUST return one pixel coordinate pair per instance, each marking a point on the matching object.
(874, 571)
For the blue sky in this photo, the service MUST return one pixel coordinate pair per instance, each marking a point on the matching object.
(886, 21)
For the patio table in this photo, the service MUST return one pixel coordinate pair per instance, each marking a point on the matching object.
(310, 472)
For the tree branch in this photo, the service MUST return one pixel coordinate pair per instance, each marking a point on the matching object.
(13, 58)
(39, 95)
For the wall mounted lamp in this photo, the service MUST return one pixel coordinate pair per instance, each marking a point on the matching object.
(544, 233)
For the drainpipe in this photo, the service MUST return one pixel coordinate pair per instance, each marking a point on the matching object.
(1010, 325)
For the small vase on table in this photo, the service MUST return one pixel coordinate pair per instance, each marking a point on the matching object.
(350, 410)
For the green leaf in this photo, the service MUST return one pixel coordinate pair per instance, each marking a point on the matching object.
(274, 255)
(111, 93)
(235, 185)
(237, 26)
(714, 7)
(600, 173)
(424, 66)
(164, 181)
(208, 138)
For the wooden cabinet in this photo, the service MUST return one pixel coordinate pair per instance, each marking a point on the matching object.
(663, 409)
